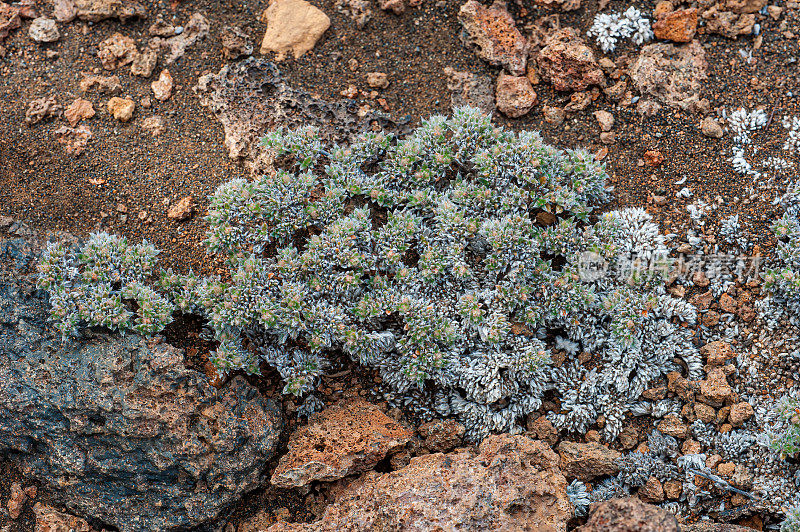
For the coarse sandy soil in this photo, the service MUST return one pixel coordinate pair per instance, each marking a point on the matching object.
(126, 178)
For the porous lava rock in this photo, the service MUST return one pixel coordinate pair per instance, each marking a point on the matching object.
(118, 427)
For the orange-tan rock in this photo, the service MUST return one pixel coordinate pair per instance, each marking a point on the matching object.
(346, 438)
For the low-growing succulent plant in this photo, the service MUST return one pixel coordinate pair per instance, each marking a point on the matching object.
(450, 261)
(782, 280)
(457, 262)
(786, 434)
(104, 282)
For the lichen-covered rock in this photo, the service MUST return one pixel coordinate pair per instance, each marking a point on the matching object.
(568, 63)
(628, 515)
(671, 74)
(121, 429)
(346, 438)
(586, 461)
(513, 483)
(494, 35)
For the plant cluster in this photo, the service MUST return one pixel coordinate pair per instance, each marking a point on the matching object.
(457, 262)
(103, 283)
(782, 280)
(608, 28)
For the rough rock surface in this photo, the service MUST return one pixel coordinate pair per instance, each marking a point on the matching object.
(568, 63)
(467, 88)
(103, 84)
(9, 19)
(494, 35)
(251, 97)
(78, 110)
(97, 10)
(162, 87)
(714, 389)
(64, 10)
(182, 210)
(292, 26)
(121, 108)
(678, 26)
(628, 515)
(346, 438)
(586, 461)
(48, 519)
(44, 29)
(145, 62)
(116, 51)
(42, 108)
(74, 139)
(442, 435)
(513, 483)
(671, 74)
(196, 29)
(235, 42)
(515, 95)
(120, 429)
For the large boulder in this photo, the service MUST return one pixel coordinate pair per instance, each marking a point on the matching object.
(117, 426)
(511, 483)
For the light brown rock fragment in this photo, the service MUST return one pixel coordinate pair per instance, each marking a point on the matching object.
(181, 210)
(586, 461)
(116, 51)
(153, 125)
(162, 87)
(64, 10)
(145, 62)
(97, 10)
(568, 63)
(196, 29)
(121, 108)
(292, 26)
(346, 438)
(103, 84)
(514, 95)
(78, 110)
(42, 108)
(74, 139)
(670, 74)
